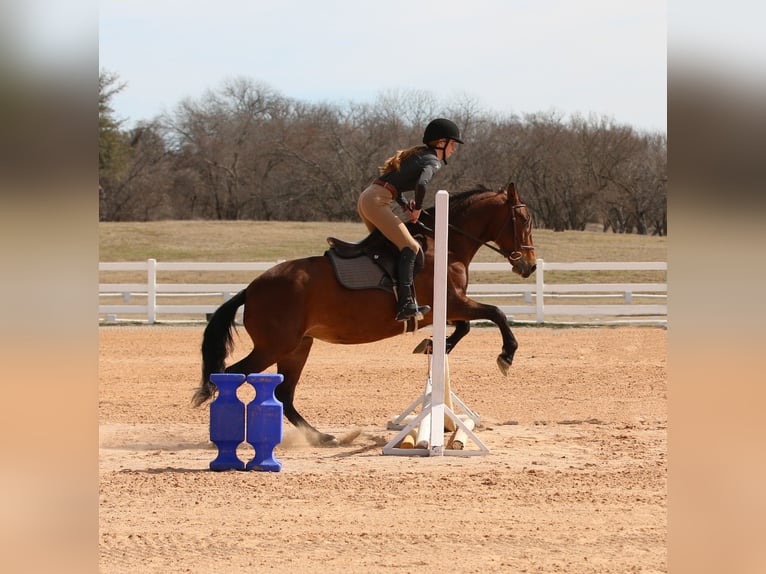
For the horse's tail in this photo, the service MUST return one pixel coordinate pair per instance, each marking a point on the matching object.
(217, 343)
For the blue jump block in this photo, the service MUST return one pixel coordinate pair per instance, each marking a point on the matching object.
(227, 421)
(264, 422)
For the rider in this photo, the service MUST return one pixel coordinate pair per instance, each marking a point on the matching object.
(407, 170)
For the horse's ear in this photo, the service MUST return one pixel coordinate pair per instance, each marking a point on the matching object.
(513, 194)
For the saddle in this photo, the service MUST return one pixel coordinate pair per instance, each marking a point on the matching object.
(371, 262)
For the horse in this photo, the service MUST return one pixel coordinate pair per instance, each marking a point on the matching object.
(297, 301)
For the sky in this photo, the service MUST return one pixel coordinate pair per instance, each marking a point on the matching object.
(603, 57)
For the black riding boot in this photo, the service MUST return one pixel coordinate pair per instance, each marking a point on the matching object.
(406, 305)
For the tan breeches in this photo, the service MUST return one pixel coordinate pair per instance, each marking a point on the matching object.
(374, 208)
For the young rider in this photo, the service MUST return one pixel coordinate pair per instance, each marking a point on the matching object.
(410, 169)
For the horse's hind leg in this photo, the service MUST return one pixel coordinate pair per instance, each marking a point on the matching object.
(461, 330)
(291, 367)
(252, 363)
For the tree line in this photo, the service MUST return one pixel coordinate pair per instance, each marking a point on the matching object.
(244, 151)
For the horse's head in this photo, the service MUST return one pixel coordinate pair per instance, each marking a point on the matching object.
(515, 237)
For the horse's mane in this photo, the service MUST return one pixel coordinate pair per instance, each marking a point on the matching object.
(458, 202)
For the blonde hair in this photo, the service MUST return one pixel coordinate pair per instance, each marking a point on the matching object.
(393, 163)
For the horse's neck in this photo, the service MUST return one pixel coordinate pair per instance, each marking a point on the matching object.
(477, 229)
(462, 246)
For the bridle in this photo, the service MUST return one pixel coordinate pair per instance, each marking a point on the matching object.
(511, 256)
(516, 254)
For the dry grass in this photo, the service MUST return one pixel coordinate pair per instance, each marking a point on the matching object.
(218, 240)
(270, 241)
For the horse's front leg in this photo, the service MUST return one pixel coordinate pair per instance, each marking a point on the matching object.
(504, 359)
(470, 310)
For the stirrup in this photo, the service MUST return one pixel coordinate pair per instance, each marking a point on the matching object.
(410, 311)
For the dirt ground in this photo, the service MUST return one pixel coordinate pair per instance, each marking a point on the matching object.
(575, 481)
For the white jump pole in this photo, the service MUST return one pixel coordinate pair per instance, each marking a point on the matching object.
(440, 323)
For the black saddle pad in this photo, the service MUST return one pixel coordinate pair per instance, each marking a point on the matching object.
(371, 262)
(360, 272)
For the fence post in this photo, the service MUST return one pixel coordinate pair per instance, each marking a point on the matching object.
(151, 290)
(539, 286)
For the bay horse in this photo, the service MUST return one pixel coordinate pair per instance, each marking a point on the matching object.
(295, 302)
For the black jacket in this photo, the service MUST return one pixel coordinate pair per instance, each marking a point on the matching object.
(414, 173)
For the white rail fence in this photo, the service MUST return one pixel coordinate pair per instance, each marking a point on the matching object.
(540, 301)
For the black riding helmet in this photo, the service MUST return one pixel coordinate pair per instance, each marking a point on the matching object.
(441, 128)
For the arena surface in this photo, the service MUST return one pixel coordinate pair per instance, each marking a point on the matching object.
(575, 482)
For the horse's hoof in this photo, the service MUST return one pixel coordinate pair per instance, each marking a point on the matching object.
(424, 347)
(504, 364)
(327, 440)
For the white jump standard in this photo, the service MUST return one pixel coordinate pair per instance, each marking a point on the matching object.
(435, 415)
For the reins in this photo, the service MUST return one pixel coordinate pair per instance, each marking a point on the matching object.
(510, 255)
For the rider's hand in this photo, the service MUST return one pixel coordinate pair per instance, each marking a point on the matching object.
(414, 214)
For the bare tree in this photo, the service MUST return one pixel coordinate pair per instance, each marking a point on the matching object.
(221, 138)
(141, 191)
(561, 195)
(245, 152)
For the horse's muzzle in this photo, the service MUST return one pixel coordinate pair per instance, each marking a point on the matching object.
(523, 269)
